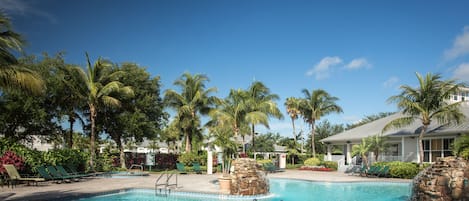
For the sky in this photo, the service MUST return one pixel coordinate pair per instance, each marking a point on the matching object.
(358, 51)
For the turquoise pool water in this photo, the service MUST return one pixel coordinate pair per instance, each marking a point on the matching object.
(283, 190)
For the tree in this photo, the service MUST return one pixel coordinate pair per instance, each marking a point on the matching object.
(101, 89)
(140, 116)
(13, 75)
(193, 100)
(323, 130)
(427, 102)
(378, 144)
(460, 146)
(362, 150)
(261, 101)
(293, 109)
(315, 105)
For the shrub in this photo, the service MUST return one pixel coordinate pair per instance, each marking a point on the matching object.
(10, 157)
(188, 158)
(405, 170)
(165, 161)
(330, 164)
(264, 161)
(312, 162)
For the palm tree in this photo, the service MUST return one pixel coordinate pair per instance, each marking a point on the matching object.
(315, 105)
(378, 145)
(194, 99)
(261, 101)
(362, 150)
(427, 102)
(12, 75)
(100, 89)
(233, 112)
(293, 109)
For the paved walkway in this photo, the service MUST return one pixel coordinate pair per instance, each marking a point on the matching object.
(192, 183)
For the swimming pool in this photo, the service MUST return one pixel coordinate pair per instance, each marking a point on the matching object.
(124, 174)
(283, 190)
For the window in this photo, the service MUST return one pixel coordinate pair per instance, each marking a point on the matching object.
(435, 148)
(455, 97)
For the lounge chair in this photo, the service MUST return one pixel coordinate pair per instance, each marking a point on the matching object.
(269, 167)
(373, 171)
(180, 167)
(73, 170)
(64, 172)
(16, 177)
(196, 167)
(353, 170)
(384, 172)
(56, 175)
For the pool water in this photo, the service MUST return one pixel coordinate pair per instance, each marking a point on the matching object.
(283, 190)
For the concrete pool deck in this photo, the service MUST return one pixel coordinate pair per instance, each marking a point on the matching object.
(188, 183)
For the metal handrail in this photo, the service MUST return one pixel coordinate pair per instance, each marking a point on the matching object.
(166, 184)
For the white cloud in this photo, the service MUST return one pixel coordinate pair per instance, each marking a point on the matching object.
(391, 82)
(358, 63)
(460, 45)
(22, 7)
(322, 69)
(462, 72)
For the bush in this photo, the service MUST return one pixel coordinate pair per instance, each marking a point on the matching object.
(405, 170)
(188, 158)
(330, 164)
(165, 161)
(312, 162)
(264, 161)
(10, 157)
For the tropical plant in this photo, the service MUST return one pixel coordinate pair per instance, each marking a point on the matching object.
(101, 88)
(10, 157)
(293, 109)
(193, 100)
(315, 105)
(261, 105)
(427, 102)
(378, 145)
(12, 75)
(460, 146)
(362, 150)
(222, 136)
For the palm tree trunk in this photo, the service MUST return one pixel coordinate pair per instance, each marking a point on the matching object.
(121, 152)
(188, 142)
(313, 147)
(253, 133)
(93, 136)
(70, 134)
(294, 132)
(424, 129)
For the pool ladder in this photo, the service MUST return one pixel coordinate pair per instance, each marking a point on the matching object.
(164, 187)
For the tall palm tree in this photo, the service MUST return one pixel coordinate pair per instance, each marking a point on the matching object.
(261, 100)
(315, 105)
(193, 100)
(378, 144)
(427, 102)
(293, 109)
(100, 88)
(13, 75)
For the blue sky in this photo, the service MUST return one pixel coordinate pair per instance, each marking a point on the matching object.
(358, 51)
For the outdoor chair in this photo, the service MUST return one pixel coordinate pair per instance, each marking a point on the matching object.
(64, 172)
(180, 167)
(56, 175)
(196, 167)
(373, 171)
(16, 177)
(384, 172)
(73, 170)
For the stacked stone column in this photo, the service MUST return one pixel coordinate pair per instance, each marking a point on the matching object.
(248, 178)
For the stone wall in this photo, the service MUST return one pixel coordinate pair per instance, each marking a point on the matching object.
(248, 178)
(445, 180)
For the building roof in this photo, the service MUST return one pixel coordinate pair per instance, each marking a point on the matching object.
(375, 127)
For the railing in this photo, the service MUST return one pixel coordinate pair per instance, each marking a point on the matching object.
(164, 188)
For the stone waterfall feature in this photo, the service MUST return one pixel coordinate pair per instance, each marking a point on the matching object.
(248, 178)
(445, 180)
